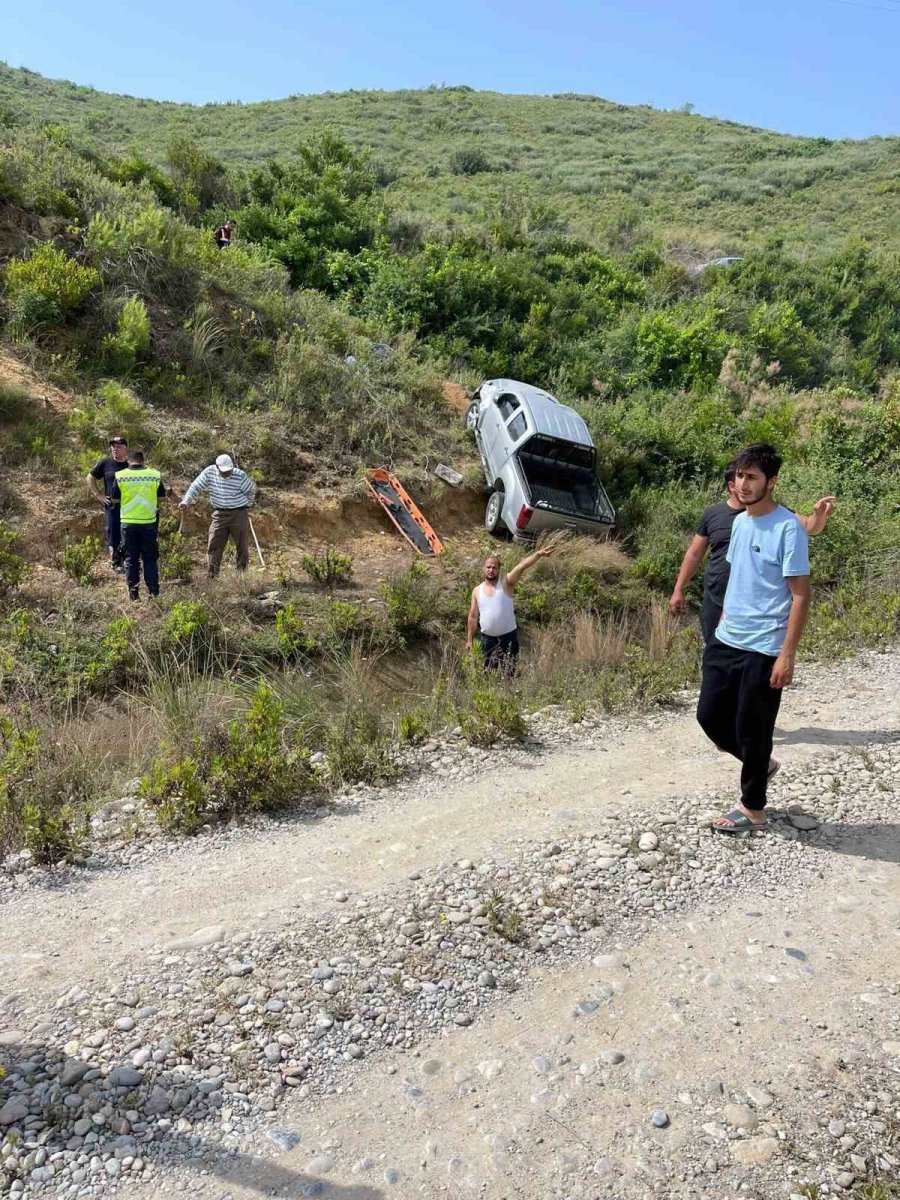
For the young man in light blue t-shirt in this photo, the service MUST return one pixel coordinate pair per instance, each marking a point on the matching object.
(752, 655)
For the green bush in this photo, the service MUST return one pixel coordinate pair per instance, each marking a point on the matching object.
(110, 411)
(188, 621)
(492, 712)
(411, 729)
(348, 622)
(328, 569)
(294, 640)
(256, 769)
(178, 793)
(357, 749)
(48, 286)
(79, 559)
(44, 794)
(469, 161)
(249, 767)
(13, 567)
(174, 554)
(131, 340)
(410, 600)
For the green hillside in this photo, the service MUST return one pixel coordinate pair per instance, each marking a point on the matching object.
(389, 245)
(585, 164)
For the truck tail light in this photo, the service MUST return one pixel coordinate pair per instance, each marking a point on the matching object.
(524, 516)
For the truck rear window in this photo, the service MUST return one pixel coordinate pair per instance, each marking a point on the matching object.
(566, 453)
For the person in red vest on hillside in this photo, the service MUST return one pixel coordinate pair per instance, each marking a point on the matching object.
(224, 234)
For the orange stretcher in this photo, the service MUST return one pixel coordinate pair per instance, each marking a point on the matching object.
(401, 509)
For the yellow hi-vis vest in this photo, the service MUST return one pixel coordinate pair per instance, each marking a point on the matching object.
(138, 487)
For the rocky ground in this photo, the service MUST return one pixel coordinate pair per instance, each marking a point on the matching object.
(596, 998)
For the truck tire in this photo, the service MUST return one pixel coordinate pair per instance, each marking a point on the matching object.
(493, 514)
(472, 416)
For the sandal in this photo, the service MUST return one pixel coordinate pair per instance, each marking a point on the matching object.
(773, 770)
(739, 822)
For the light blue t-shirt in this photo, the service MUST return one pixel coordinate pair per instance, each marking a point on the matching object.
(764, 552)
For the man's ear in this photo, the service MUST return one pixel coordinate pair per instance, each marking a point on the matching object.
(772, 482)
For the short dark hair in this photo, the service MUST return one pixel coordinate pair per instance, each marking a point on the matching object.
(136, 456)
(762, 456)
(730, 472)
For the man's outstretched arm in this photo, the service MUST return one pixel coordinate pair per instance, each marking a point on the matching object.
(818, 518)
(690, 565)
(512, 577)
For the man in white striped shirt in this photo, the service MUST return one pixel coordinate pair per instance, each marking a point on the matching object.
(231, 492)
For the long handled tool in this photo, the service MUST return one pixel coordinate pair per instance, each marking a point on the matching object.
(262, 561)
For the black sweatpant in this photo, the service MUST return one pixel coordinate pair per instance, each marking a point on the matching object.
(710, 616)
(141, 548)
(737, 710)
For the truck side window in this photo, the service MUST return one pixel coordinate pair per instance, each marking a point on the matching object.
(507, 404)
(517, 427)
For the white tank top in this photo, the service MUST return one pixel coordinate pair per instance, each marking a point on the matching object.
(495, 612)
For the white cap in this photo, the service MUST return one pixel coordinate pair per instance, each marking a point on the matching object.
(225, 463)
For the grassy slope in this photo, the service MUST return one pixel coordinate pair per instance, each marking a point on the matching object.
(705, 185)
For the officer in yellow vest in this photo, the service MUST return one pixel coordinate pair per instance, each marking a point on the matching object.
(138, 489)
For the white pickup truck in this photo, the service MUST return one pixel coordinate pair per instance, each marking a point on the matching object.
(539, 462)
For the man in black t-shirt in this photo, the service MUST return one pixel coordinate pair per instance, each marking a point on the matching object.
(714, 534)
(105, 470)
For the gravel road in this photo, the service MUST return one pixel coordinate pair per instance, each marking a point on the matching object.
(529, 972)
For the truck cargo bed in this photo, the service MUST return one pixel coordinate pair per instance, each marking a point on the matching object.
(564, 488)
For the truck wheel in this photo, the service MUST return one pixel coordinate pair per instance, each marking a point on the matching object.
(493, 514)
(472, 416)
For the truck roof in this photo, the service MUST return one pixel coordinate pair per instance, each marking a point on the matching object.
(548, 416)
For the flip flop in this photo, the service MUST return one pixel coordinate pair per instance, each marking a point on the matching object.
(740, 823)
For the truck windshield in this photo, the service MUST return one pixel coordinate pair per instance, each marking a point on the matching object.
(568, 453)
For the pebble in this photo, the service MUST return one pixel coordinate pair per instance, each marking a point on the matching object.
(660, 1118)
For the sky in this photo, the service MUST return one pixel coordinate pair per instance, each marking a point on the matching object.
(816, 67)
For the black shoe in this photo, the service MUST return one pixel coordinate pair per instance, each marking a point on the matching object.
(153, 595)
(134, 594)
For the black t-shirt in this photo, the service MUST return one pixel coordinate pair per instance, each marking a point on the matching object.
(106, 469)
(716, 524)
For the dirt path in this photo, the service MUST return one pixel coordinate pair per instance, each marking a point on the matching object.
(211, 889)
(775, 998)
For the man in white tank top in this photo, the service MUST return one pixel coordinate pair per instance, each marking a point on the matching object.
(492, 616)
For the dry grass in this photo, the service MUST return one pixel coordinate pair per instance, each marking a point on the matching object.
(662, 632)
(588, 641)
(574, 552)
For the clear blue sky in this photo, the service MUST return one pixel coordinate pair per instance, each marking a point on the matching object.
(827, 67)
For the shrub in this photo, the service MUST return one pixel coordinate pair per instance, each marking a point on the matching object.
(357, 749)
(469, 161)
(411, 729)
(174, 554)
(131, 340)
(79, 559)
(291, 632)
(249, 767)
(111, 410)
(410, 599)
(188, 621)
(13, 567)
(43, 794)
(328, 569)
(49, 285)
(347, 622)
(178, 793)
(255, 770)
(492, 712)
